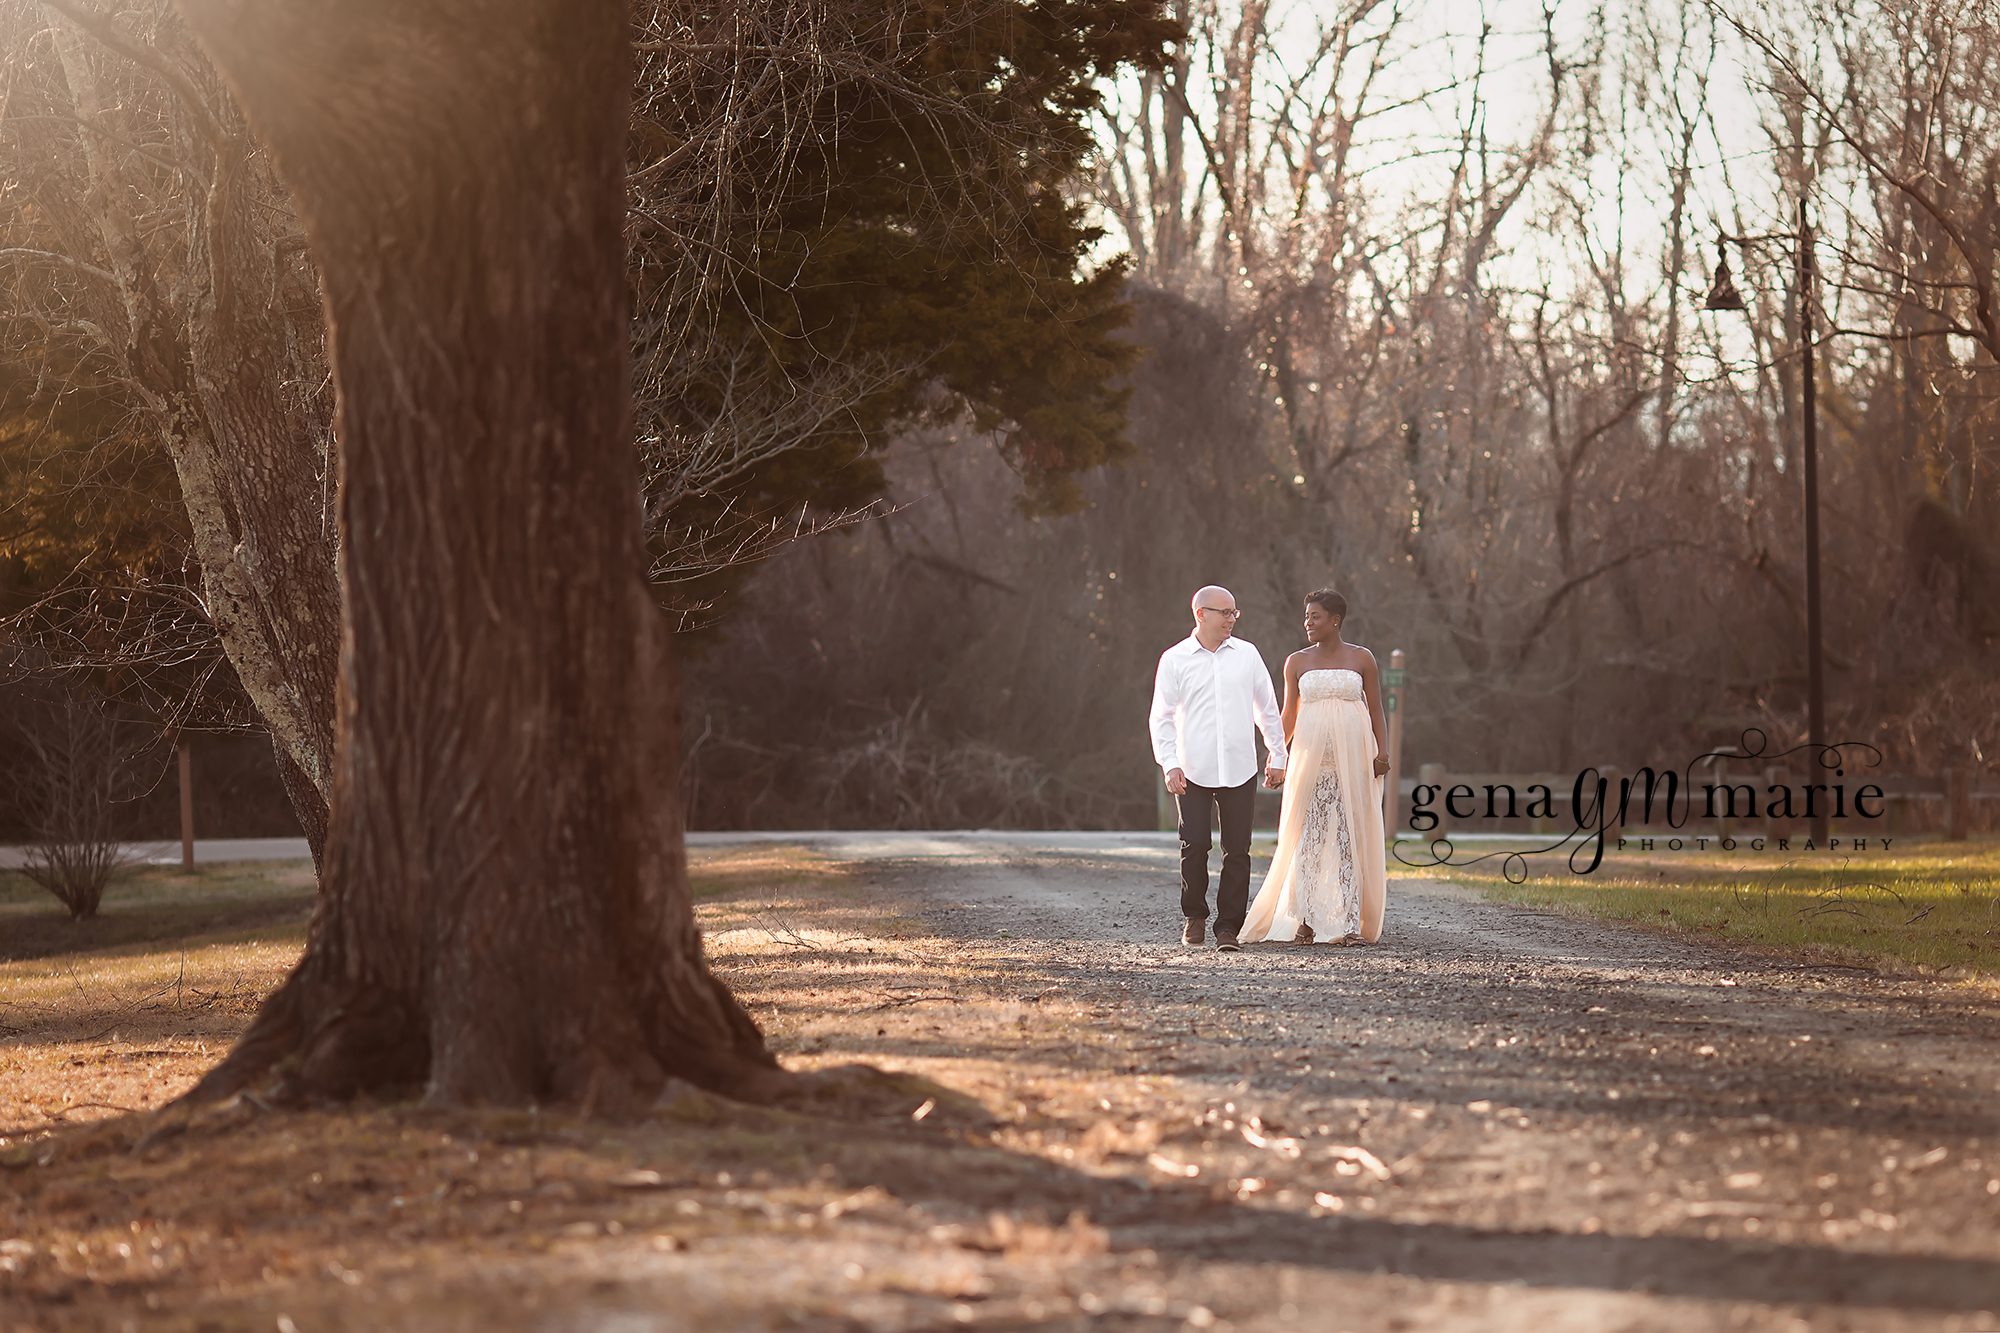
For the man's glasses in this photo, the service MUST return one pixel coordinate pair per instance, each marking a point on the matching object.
(1231, 612)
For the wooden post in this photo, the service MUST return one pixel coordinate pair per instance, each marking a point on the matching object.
(187, 808)
(1394, 681)
(1957, 803)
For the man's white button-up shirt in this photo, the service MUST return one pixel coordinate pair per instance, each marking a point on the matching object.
(1206, 708)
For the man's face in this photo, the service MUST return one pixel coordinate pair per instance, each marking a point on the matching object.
(1216, 614)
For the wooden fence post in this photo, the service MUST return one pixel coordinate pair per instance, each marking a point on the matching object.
(1393, 682)
(187, 807)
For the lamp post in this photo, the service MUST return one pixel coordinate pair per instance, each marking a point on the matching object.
(1724, 296)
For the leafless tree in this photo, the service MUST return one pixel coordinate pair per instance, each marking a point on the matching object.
(81, 763)
(145, 236)
(1456, 258)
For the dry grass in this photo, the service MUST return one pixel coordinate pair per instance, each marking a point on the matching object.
(154, 904)
(1931, 904)
(1041, 1151)
(123, 1011)
(980, 1197)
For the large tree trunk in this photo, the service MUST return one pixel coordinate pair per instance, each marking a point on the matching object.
(505, 915)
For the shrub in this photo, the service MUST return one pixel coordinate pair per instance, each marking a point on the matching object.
(80, 762)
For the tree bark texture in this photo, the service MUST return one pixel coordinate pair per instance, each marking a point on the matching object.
(504, 917)
(210, 357)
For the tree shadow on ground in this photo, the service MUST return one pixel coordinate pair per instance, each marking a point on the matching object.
(333, 1210)
(1010, 1200)
(155, 908)
(1639, 1042)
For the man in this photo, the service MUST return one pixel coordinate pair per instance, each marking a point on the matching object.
(1211, 694)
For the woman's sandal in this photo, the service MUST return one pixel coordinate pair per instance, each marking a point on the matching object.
(1305, 935)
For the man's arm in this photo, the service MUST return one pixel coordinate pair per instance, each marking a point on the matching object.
(1264, 702)
(1166, 697)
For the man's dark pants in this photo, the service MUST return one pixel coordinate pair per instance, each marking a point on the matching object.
(1197, 806)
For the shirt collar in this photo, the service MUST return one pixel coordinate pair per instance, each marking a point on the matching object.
(1193, 644)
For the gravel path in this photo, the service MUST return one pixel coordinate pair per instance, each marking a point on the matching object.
(1559, 1124)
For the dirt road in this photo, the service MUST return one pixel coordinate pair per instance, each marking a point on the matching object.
(1496, 1121)
(1496, 1118)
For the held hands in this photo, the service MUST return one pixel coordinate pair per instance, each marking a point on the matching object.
(1177, 780)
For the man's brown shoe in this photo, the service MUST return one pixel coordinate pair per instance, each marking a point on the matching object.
(1225, 940)
(1193, 930)
(1305, 935)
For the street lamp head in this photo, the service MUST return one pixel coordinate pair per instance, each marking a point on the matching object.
(1722, 294)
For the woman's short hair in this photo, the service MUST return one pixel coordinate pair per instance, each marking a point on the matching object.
(1329, 601)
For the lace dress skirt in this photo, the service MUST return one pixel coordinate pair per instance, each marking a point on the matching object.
(1328, 869)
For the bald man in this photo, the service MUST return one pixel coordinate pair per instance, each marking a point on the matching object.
(1211, 695)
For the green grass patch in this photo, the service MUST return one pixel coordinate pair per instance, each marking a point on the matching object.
(157, 905)
(1930, 903)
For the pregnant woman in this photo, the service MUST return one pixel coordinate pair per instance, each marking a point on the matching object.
(1326, 878)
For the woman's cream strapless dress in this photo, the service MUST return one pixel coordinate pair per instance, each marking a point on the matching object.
(1328, 870)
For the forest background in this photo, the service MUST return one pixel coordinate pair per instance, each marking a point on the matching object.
(1414, 296)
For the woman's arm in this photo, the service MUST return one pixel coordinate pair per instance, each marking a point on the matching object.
(1289, 714)
(1371, 685)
